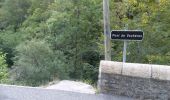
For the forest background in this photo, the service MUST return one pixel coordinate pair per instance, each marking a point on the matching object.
(46, 40)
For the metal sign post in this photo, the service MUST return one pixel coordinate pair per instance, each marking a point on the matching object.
(127, 35)
(125, 46)
(124, 51)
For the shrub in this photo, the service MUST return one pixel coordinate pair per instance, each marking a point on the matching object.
(3, 68)
(90, 73)
(36, 63)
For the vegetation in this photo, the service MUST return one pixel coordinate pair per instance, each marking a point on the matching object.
(36, 63)
(59, 39)
(3, 69)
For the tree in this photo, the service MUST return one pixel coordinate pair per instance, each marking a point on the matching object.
(143, 15)
(3, 68)
(14, 13)
(75, 28)
(67, 36)
(36, 63)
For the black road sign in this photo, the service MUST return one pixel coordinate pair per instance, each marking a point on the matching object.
(127, 35)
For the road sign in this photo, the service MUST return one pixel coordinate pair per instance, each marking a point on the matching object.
(127, 35)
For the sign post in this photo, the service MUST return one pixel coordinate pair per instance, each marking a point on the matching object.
(127, 35)
(124, 51)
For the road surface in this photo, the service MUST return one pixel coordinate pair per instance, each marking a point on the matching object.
(28, 93)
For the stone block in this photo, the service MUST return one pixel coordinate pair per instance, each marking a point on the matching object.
(137, 70)
(111, 67)
(161, 72)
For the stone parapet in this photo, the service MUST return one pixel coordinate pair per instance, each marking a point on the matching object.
(141, 81)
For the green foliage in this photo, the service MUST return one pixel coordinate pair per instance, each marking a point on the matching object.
(90, 73)
(36, 63)
(63, 38)
(149, 16)
(3, 68)
(75, 29)
(14, 13)
(8, 41)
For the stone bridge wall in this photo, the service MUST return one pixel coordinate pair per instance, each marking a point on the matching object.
(141, 81)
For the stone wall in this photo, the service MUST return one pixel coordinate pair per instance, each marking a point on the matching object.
(141, 81)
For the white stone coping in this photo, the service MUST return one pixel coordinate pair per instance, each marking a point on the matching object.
(160, 72)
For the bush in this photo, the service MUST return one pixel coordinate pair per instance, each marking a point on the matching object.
(90, 73)
(3, 68)
(36, 64)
